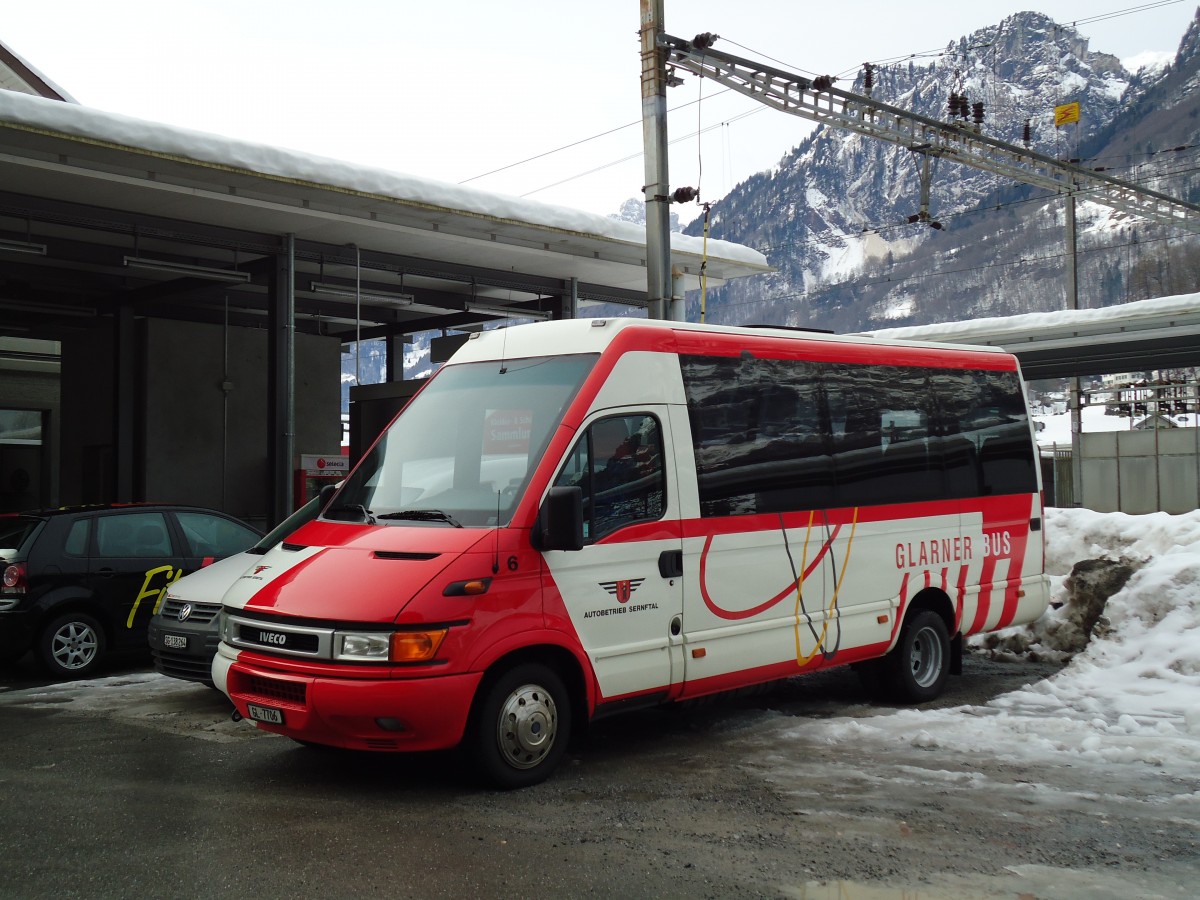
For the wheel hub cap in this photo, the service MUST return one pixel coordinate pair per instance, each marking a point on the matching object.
(527, 726)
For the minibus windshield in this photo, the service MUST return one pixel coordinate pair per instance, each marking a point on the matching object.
(464, 449)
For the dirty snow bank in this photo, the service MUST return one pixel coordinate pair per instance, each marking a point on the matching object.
(1131, 696)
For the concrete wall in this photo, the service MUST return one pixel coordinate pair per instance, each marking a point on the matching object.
(197, 442)
(204, 417)
(88, 409)
(1141, 471)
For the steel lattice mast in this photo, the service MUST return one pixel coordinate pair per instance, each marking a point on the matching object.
(819, 101)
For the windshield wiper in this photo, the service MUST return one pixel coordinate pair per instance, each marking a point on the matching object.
(423, 515)
(358, 508)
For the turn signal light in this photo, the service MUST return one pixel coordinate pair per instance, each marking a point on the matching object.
(471, 588)
(416, 646)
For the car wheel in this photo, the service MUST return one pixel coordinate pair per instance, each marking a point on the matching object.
(917, 668)
(71, 645)
(520, 727)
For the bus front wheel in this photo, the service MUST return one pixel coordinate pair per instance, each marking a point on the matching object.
(521, 726)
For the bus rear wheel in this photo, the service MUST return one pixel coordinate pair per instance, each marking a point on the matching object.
(916, 669)
(520, 728)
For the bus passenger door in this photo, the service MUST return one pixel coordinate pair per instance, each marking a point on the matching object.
(623, 591)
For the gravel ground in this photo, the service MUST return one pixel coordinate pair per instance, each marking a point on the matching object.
(146, 791)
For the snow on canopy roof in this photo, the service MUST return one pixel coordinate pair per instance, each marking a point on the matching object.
(18, 74)
(73, 120)
(998, 327)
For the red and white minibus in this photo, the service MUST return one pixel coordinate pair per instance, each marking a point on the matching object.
(574, 518)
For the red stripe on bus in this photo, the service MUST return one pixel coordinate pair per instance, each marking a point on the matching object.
(734, 615)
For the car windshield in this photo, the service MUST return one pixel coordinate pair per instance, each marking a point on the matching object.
(284, 529)
(463, 450)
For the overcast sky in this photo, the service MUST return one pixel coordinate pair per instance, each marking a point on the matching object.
(458, 89)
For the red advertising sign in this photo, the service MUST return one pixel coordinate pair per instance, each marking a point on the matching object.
(507, 431)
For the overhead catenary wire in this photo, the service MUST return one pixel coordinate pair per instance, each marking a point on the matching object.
(579, 143)
(638, 155)
(880, 62)
(879, 229)
(1043, 198)
(832, 289)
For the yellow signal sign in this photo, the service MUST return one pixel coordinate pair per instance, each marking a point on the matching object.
(1066, 114)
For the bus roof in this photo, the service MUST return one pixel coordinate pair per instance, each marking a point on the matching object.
(594, 335)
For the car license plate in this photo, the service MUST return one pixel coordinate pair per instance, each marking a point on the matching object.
(265, 714)
(175, 641)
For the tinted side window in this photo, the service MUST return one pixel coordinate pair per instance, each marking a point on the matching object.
(618, 463)
(776, 435)
(759, 433)
(133, 535)
(1000, 425)
(985, 434)
(214, 535)
(881, 418)
(77, 538)
(957, 396)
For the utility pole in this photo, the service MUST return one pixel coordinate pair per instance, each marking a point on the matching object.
(1072, 260)
(654, 139)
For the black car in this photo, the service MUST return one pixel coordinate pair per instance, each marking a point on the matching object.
(183, 632)
(80, 581)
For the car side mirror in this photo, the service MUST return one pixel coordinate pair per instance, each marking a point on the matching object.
(560, 520)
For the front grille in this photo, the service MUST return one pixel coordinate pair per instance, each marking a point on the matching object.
(272, 635)
(293, 692)
(200, 612)
(279, 639)
(178, 665)
(382, 744)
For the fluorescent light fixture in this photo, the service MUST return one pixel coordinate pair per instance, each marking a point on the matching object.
(509, 313)
(48, 308)
(23, 247)
(339, 290)
(404, 301)
(161, 265)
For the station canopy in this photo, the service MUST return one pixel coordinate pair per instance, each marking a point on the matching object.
(1144, 335)
(99, 209)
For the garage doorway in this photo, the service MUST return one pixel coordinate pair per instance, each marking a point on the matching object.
(24, 464)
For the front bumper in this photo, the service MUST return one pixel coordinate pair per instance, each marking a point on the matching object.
(358, 713)
(192, 662)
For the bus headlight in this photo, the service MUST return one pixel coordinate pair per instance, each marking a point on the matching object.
(388, 646)
(365, 647)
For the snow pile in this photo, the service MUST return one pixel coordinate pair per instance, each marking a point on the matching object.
(1132, 695)
(1077, 611)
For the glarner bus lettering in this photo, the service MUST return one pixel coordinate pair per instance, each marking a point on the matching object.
(579, 516)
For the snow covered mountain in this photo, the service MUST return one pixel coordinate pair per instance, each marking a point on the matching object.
(833, 216)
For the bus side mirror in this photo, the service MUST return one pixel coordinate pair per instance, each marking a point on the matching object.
(560, 521)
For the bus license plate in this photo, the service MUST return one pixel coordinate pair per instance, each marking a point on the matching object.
(175, 641)
(265, 714)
